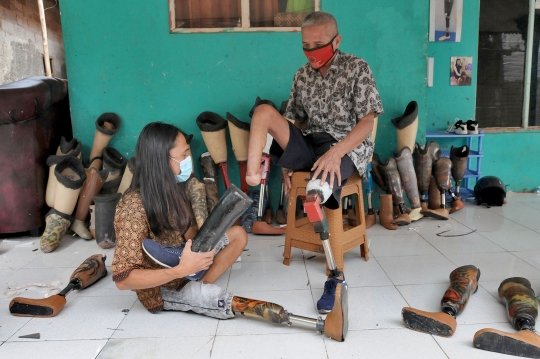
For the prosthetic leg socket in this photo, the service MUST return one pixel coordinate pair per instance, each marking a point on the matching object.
(107, 125)
(213, 129)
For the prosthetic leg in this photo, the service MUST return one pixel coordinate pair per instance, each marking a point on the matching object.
(66, 148)
(213, 129)
(393, 183)
(408, 179)
(107, 125)
(70, 175)
(127, 177)
(335, 326)
(407, 126)
(522, 311)
(260, 226)
(386, 212)
(196, 193)
(458, 156)
(463, 282)
(425, 156)
(105, 209)
(210, 172)
(239, 132)
(447, 11)
(441, 173)
(371, 217)
(114, 163)
(91, 187)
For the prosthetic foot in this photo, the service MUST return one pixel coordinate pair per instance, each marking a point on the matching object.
(425, 156)
(406, 126)
(239, 132)
(335, 326)
(463, 282)
(104, 213)
(127, 177)
(92, 186)
(213, 129)
(107, 125)
(196, 193)
(70, 176)
(393, 183)
(210, 172)
(260, 226)
(114, 163)
(522, 311)
(408, 179)
(459, 157)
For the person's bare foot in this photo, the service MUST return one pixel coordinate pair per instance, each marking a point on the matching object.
(253, 180)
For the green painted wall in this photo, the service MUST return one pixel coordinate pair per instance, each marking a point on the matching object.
(123, 59)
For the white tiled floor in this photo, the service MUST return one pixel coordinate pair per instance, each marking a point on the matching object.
(407, 267)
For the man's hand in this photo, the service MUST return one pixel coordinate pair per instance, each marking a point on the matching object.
(328, 164)
(193, 262)
(286, 175)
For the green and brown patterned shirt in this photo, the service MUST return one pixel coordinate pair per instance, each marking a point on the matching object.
(132, 227)
(334, 104)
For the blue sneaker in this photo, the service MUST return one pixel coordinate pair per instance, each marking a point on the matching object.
(326, 303)
(167, 256)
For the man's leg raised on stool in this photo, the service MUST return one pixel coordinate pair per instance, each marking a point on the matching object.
(266, 120)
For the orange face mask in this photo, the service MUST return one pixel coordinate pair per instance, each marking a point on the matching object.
(319, 56)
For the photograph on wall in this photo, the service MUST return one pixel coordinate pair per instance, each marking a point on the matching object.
(461, 70)
(445, 20)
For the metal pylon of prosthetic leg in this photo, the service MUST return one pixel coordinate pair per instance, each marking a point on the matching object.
(320, 224)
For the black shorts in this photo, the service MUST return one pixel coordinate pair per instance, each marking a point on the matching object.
(303, 151)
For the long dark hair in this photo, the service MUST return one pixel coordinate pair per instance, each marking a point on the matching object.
(163, 199)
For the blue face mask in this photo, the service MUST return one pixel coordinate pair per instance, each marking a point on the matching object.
(185, 169)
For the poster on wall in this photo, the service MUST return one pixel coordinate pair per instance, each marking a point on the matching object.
(461, 70)
(445, 20)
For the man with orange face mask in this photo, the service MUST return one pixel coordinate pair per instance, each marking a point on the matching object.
(333, 102)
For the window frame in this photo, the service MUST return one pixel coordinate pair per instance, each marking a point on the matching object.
(245, 22)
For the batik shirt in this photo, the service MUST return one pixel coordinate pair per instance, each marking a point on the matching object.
(334, 104)
(132, 227)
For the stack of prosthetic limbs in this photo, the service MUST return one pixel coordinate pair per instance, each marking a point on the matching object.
(463, 282)
(393, 184)
(522, 311)
(213, 130)
(239, 132)
(70, 176)
(425, 157)
(386, 213)
(459, 157)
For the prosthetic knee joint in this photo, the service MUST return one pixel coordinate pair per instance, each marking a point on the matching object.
(316, 196)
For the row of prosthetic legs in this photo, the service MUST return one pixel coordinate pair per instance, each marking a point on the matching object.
(430, 173)
(521, 306)
(72, 189)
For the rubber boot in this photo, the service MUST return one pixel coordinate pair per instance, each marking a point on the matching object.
(377, 174)
(393, 183)
(386, 213)
(425, 156)
(281, 218)
(522, 311)
(459, 157)
(69, 148)
(407, 126)
(463, 282)
(107, 125)
(231, 206)
(94, 181)
(406, 171)
(104, 213)
(197, 196)
(127, 177)
(70, 175)
(239, 133)
(213, 129)
(441, 174)
(114, 163)
(210, 172)
(92, 226)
